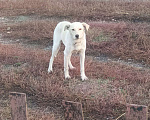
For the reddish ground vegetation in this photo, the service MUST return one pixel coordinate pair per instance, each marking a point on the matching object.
(124, 40)
(110, 86)
(27, 69)
(96, 10)
(131, 41)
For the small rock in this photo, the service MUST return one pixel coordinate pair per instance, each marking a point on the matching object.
(8, 28)
(8, 32)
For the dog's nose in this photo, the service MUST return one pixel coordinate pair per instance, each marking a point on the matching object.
(77, 36)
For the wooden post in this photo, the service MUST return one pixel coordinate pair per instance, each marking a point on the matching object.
(18, 106)
(136, 112)
(73, 110)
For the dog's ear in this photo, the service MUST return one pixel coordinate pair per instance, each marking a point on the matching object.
(86, 26)
(66, 27)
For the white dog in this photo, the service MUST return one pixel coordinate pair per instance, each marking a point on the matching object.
(74, 38)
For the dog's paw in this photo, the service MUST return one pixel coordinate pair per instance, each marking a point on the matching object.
(84, 78)
(50, 71)
(67, 77)
(72, 68)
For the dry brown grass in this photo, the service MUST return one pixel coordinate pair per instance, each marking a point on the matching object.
(94, 10)
(27, 69)
(131, 41)
(39, 32)
(122, 40)
(110, 85)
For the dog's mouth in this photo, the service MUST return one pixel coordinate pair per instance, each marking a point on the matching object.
(76, 39)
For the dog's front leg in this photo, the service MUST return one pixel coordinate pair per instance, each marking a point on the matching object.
(66, 63)
(82, 59)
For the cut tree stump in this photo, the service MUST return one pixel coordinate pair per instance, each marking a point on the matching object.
(18, 106)
(136, 112)
(72, 110)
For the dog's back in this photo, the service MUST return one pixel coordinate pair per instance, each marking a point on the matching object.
(59, 32)
(61, 27)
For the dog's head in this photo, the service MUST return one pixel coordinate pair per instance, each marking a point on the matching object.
(77, 29)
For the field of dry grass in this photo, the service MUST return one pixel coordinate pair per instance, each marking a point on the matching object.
(131, 41)
(23, 67)
(27, 69)
(86, 9)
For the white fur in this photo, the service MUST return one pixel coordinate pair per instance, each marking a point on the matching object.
(74, 38)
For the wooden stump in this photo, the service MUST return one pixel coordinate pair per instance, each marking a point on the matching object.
(18, 106)
(136, 112)
(72, 110)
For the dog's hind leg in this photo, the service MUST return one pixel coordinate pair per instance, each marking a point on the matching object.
(70, 64)
(55, 49)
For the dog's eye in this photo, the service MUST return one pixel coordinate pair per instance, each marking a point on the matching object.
(80, 29)
(72, 29)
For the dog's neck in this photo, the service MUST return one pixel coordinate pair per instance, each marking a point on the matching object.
(77, 41)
